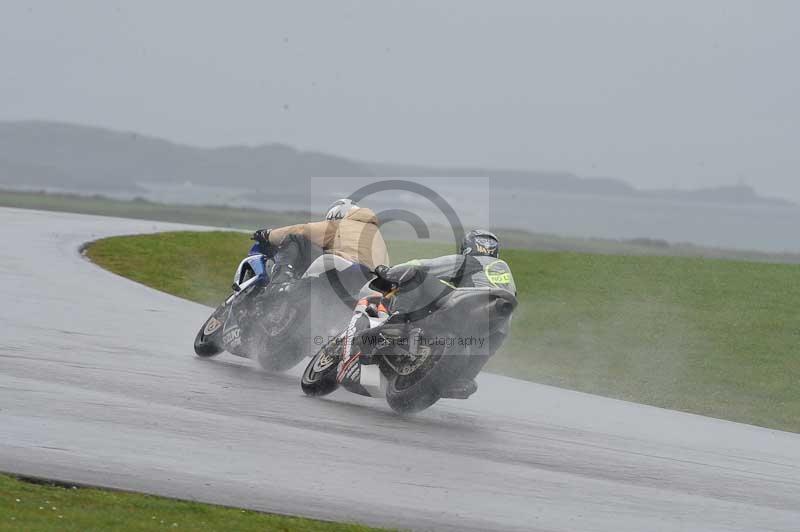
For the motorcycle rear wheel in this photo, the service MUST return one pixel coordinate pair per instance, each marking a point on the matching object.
(275, 340)
(410, 394)
(280, 355)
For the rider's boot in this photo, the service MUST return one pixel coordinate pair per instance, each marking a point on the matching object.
(349, 370)
(282, 274)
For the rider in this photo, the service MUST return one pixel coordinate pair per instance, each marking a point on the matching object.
(348, 231)
(421, 282)
(477, 264)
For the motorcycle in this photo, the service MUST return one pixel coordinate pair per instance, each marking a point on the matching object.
(413, 363)
(271, 321)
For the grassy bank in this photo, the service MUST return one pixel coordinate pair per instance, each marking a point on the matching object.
(197, 266)
(41, 507)
(713, 337)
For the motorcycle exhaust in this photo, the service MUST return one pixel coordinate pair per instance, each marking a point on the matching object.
(491, 313)
(503, 308)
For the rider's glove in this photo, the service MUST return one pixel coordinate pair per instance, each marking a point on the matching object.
(381, 271)
(261, 236)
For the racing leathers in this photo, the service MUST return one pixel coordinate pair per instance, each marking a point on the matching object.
(355, 238)
(422, 282)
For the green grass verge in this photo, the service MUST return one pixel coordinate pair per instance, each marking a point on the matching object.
(713, 337)
(198, 266)
(40, 507)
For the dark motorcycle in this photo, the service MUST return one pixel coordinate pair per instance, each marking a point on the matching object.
(415, 363)
(272, 322)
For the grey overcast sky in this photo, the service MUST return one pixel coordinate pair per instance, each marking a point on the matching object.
(659, 93)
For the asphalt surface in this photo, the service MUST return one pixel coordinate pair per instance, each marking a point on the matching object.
(99, 385)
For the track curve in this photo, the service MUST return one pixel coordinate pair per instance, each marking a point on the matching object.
(99, 385)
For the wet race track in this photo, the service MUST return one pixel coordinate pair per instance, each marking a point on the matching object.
(99, 385)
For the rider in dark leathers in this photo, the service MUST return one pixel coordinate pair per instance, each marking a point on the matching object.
(422, 282)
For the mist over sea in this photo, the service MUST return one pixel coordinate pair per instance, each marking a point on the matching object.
(769, 228)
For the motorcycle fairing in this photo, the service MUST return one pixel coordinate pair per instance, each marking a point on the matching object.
(256, 265)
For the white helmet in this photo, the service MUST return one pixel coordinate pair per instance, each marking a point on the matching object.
(340, 209)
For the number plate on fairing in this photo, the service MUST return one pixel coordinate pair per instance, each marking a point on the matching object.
(212, 326)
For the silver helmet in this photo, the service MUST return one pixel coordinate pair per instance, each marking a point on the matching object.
(340, 209)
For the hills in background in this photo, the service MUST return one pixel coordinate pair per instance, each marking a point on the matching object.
(74, 157)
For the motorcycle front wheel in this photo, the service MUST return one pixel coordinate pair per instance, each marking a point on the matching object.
(319, 377)
(208, 341)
